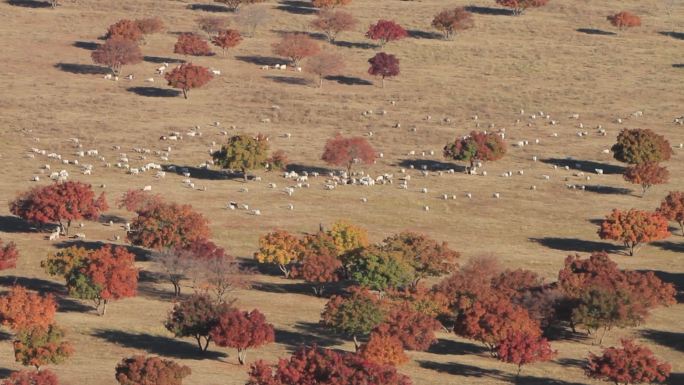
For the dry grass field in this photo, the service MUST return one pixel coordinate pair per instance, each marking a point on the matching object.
(539, 61)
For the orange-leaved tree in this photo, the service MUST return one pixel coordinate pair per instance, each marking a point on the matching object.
(629, 364)
(342, 151)
(451, 20)
(59, 202)
(225, 39)
(383, 349)
(332, 23)
(522, 348)
(296, 47)
(624, 19)
(280, 248)
(8, 255)
(672, 208)
(23, 310)
(188, 76)
(633, 228)
(191, 44)
(647, 174)
(125, 29)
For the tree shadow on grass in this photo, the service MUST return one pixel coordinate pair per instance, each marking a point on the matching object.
(160, 59)
(531, 380)
(29, 3)
(430, 165)
(608, 190)
(35, 284)
(208, 8)
(418, 34)
(297, 7)
(155, 344)
(154, 92)
(458, 369)
(203, 173)
(302, 288)
(349, 80)
(672, 34)
(289, 80)
(677, 279)
(148, 286)
(70, 305)
(4, 336)
(574, 244)
(261, 60)
(572, 362)
(12, 224)
(83, 69)
(306, 334)
(490, 11)
(677, 247)
(313, 35)
(594, 31)
(678, 65)
(359, 45)
(5, 372)
(675, 379)
(88, 45)
(672, 340)
(585, 165)
(455, 347)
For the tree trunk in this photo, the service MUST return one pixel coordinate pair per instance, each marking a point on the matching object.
(383, 82)
(206, 343)
(518, 373)
(199, 343)
(681, 225)
(104, 307)
(242, 355)
(244, 174)
(185, 93)
(356, 344)
(320, 81)
(285, 271)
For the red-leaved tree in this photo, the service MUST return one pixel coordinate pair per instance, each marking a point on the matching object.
(296, 47)
(647, 175)
(522, 348)
(195, 317)
(451, 20)
(141, 370)
(163, 225)
(23, 310)
(633, 228)
(8, 255)
(383, 349)
(672, 208)
(520, 6)
(319, 266)
(117, 52)
(624, 19)
(227, 39)
(150, 25)
(332, 23)
(630, 364)
(59, 202)
(191, 44)
(242, 330)
(212, 25)
(341, 151)
(188, 76)
(384, 65)
(26, 377)
(125, 29)
(314, 366)
(386, 31)
(415, 330)
(478, 146)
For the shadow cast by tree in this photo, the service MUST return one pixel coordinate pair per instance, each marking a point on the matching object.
(430, 165)
(358, 45)
(160, 59)
(5, 372)
(306, 334)
(673, 34)
(608, 190)
(572, 362)
(428, 35)
(35, 284)
(154, 92)
(677, 279)
(303, 288)
(87, 45)
(575, 244)
(261, 60)
(458, 369)
(204, 173)
(678, 65)
(12, 224)
(69, 305)
(677, 247)
(4, 336)
(452, 347)
(313, 35)
(297, 7)
(208, 8)
(585, 165)
(82, 69)
(489, 11)
(594, 31)
(289, 80)
(156, 344)
(672, 340)
(349, 80)
(29, 3)
(675, 379)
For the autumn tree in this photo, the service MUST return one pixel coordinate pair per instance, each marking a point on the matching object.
(314, 366)
(386, 31)
(62, 262)
(672, 208)
(195, 317)
(384, 65)
(59, 202)
(522, 348)
(212, 25)
(510, 283)
(296, 47)
(150, 25)
(8, 255)
(218, 275)
(22, 310)
(251, 18)
(228, 38)
(141, 370)
(600, 308)
(125, 29)
(383, 349)
(633, 228)
(164, 225)
(281, 248)
(117, 52)
(428, 257)
(330, 3)
(334, 22)
(277, 161)
(449, 21)
(176, 264)
(478, 146)
(243, 152)
(108, 274)
(469, 284)
(379, 269)
(629, 364)
(234, 5)
(31, 377)
(415, 329)
(319, 266)
(624, 19)
(520, 6)
(188, 76)
(242, 330)
(341, 151)
(647, 174)
(191, 44)
(641, 146)
(355, 315)
(324, 64)
(39, 347)
(347, 236)
(419, 298)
